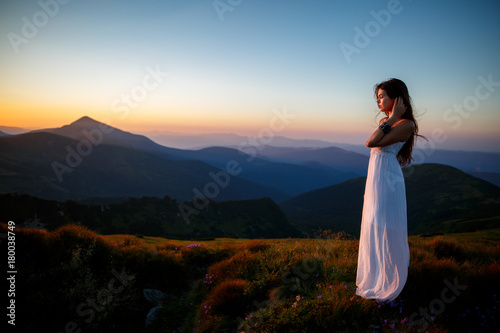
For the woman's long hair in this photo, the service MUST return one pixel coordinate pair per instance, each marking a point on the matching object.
(397, 88)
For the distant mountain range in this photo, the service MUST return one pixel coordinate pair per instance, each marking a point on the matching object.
(49, 166)
(89, 159)
(90, 162)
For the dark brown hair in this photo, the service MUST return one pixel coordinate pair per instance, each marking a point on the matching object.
(397, 88)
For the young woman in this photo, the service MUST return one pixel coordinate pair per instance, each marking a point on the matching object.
(384, 255)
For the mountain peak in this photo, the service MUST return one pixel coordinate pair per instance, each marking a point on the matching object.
(85, 121)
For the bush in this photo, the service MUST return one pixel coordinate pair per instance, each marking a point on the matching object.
(228, 298)
(242, 265)
(447, 249)
(257, 245)
(224, 305)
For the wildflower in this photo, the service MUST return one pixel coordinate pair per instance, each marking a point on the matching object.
(297, 298)
(320, 296)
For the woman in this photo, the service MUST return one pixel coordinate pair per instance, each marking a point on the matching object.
(384, 255)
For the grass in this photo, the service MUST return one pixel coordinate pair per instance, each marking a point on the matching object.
(238, 285)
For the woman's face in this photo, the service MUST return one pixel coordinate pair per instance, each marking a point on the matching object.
(384, 102)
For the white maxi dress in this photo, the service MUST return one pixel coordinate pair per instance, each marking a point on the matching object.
(384, 256)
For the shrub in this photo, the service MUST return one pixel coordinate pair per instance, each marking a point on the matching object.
(242, 264)
(168, 247)
(329, 234)
(447, 249)
(130, 241)
(257, 245)
(71, 236)
(228, 298)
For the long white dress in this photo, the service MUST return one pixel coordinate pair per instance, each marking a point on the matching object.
(384, 256)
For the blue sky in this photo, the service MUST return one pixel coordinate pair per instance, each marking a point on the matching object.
(228, 70)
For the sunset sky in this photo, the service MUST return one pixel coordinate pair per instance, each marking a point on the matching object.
(204, 66)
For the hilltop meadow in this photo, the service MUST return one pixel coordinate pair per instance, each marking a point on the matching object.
(75, 280)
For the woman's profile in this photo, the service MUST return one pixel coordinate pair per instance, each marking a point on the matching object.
(384, 256)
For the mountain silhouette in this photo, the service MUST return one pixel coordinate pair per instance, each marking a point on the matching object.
(278, 179)
(89, 159)
(334, 157)
(94, 131)
(50, 166)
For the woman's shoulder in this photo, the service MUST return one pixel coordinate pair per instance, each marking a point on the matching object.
(406, 122)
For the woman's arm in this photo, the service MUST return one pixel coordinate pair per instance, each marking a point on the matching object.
(401, 132)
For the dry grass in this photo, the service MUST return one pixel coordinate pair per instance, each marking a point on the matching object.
(281, 285)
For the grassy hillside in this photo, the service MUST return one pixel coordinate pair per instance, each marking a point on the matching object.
(72, 277)
(440, 198)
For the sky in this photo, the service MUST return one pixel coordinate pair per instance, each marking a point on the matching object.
(295, 68)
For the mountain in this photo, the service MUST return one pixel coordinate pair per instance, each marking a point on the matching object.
(88, 129)
(134, 165)
(290, 178)
(490, 177)
(198, 141)
(334, 157)
(468, 161)
(13, 130)
(440, 198)
(287, 178)
(260, 218)
(51, 166)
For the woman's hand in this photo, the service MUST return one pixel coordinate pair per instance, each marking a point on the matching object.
(399, 108)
